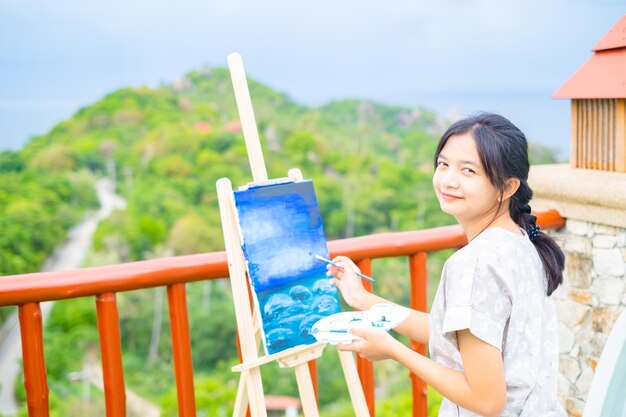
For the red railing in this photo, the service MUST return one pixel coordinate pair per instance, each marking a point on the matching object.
(29, 290)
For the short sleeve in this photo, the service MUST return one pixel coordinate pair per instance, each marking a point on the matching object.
(477, 298)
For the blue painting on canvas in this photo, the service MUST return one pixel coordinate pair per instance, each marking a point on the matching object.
(280, 227)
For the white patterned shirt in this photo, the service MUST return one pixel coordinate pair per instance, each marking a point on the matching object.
(496, 287)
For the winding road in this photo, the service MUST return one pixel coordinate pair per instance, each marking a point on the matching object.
(70, 255)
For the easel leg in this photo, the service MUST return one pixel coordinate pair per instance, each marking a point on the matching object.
(354, 385)
(255, 392)
(305, 387)
(238, 281)
(241, 401)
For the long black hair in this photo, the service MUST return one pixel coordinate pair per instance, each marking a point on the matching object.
(503, 151)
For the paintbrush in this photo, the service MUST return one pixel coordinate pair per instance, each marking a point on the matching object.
(328, 261)
(332, 330)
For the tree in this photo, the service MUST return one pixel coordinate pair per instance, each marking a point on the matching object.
(193, 234)
(55, 158)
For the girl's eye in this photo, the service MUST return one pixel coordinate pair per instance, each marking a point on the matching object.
(469, 170)
(441, 164)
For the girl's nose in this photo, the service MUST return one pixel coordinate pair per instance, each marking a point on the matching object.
(449, 179)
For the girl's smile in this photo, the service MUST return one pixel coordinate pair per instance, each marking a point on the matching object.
(461, 185)
(465, 191)
(449, 197)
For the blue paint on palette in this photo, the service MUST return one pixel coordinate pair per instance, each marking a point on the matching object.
(280, 226)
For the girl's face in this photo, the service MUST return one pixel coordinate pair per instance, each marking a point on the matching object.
(461, 184)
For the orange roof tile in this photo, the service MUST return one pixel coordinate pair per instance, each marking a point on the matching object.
(604, 74)
(281, 402)
(203, 127)
(234, 126)
(615, 38)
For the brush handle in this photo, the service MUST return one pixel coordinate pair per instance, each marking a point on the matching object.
(365, 277)
(328, 261)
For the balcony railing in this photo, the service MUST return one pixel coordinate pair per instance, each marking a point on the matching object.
(29, 290)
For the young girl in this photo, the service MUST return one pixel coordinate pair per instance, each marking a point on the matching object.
(492, 330)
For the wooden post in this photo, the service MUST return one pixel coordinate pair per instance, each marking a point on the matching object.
(238, 281)
(35, 380)
(365, 367)
(419, 302)
(181, 349)
(246, 114)
(357, 395)
(620, 133)
(111, 351)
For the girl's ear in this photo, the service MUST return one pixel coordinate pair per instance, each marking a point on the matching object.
(510, 187)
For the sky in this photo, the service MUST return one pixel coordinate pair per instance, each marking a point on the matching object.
(452, 56)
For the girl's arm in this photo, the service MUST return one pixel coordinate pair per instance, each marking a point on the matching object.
(480, 387)
(415, 327)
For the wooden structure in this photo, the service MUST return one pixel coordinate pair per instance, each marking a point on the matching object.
(598, 93)
(250, 392)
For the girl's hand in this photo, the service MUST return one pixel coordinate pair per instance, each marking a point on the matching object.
(376, 344)
(349, 284)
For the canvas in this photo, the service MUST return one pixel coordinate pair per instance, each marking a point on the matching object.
(281, 227)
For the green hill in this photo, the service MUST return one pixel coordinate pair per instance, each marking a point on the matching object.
(167, 146)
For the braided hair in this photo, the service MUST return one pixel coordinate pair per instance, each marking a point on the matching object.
(503, 151)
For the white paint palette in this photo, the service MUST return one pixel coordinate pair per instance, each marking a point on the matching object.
(334, 329)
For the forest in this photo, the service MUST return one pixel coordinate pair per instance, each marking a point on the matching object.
(165, 148)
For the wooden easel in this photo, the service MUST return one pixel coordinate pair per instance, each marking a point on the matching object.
(250, 390)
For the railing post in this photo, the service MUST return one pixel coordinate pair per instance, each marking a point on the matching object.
(419, 301)
(181, 350)
(111, 351)
(365, 367)
(35, 380)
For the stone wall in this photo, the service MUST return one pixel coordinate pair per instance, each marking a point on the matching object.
(588, 303)
(593, 294)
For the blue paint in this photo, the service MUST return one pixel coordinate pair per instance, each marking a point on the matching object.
(280, 226)
(328, 261)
